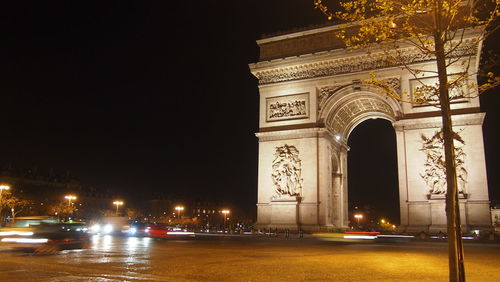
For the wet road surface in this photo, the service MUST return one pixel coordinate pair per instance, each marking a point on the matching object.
(248, 259)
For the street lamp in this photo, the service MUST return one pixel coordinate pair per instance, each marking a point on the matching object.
(117, 203)
(70, 198)
(225, 213)
(3, 187)
(358, 217)
(179, 209)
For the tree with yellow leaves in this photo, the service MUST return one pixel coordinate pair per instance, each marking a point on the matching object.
(437, 28)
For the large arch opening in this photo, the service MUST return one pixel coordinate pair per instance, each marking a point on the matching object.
(373, 175)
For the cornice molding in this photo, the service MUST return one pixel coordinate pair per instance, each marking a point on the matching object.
(288, 134)
(344, 65)
(436, 122)
(316, 132)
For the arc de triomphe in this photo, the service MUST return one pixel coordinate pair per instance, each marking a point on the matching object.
(311, 99)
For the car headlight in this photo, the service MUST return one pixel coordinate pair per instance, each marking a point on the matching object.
(108, 228)
(95, 228)
(132, 230)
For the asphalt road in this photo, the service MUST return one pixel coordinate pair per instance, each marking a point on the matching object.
(249, 259)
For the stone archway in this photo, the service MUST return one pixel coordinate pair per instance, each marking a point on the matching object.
(343, 110)
(310, 103)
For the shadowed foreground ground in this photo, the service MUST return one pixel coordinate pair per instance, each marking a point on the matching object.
(249, 259)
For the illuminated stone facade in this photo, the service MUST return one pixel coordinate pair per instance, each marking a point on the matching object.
(311, 99)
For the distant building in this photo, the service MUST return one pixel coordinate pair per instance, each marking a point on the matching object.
(46, 187)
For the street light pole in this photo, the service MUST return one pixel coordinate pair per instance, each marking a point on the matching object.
(69, 198)
(2, 187)
(117, 203)
(358, 217)
(225, 213)
(179, 209)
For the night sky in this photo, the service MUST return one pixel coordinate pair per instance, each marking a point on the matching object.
(157, 97)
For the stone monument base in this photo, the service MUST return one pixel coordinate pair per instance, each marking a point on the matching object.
(285, 213)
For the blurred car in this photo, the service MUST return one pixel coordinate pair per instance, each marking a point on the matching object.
(137, 229)
(44, 235)
(110, 225)
(102, 228)
(165, 231)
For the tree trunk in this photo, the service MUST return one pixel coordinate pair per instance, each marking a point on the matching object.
(455, 244)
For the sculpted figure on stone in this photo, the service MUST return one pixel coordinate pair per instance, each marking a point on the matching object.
(435, 171)
(286, 172)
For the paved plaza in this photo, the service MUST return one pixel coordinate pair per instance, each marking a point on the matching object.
(249, 259)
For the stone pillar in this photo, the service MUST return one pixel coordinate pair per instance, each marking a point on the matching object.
(402, 175)
(301, 210)
(422, 208)
(344, 186)
(338, 203)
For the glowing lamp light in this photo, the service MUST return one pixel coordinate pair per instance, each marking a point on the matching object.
(4, 187)
(358, 217)
(225, 213)
(179, 209)
(70, 198)
(117, 203)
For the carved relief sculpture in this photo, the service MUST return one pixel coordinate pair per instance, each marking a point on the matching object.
(425, 90)
(287, 107)
(286, 172)
(324, 94)
(435, 169)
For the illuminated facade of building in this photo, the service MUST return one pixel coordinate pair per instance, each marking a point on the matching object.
(312, 97)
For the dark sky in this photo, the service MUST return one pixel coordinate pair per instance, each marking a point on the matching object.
(145, 96)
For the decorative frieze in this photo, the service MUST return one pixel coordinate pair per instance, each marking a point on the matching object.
(287, 107)
(353, 64)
